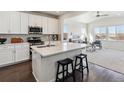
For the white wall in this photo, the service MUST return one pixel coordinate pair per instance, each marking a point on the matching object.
(107, 22)
(76, 29)
(64, 17)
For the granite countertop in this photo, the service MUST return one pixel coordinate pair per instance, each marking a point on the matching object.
(58, 48)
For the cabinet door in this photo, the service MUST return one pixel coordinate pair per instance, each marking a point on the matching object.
(35, 20)
(56, 27)
(52, 26)
(15, 23)
(6, 54)
(4, 22)
(24, 23)
(38, 21)
(44, 25)
(31, 20)
(22, 52)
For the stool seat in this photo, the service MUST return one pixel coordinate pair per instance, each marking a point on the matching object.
(81, 55)
(65, 61)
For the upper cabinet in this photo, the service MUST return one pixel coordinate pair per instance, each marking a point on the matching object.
(18, 22)
(24, 23)
(44, 25)
(49, 25)
(35, 20)
(53, 26)
(4, 22)
(15, 23)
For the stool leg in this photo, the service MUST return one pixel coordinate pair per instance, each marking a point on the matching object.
(57, 73)
(75, 63)
(87, 65)
(67, 70)
(81, 64)
(73, 72)
(63, 73)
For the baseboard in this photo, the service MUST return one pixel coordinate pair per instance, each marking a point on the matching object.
(14, 63)
(52, 80)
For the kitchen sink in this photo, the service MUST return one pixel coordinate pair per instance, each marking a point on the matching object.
(50, 45)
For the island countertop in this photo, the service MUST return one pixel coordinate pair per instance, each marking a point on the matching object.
(58, 48)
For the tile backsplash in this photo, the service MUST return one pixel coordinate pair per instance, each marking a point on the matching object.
(24, 37)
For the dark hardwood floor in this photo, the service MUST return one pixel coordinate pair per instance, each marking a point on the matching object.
(22, 72)
(98, 74)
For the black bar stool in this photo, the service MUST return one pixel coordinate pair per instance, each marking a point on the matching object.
(80, 64)
(64, 63)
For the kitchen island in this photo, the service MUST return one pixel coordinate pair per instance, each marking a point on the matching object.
(44, 58)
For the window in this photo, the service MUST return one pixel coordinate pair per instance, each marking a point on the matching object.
(120, 32)
(65, 28)
(101, 33)
(83, 33)
(112, 33)
(65, 34)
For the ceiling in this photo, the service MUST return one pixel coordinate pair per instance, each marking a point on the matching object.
(90, 16)
(54, 13)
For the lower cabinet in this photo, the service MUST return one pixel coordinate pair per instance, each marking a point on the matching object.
(21, 52)
(6, 54)
(12, 53)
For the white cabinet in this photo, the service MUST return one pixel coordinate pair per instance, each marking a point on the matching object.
(15, 23)
(18, 22)
(6, 54)
(52, 26)
(44, 25)
(24, 23)
(56, 26)
(21, 52)
(12, 53)
(4, 22)
(35, 20)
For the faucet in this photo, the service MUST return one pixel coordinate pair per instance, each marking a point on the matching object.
(49, 40)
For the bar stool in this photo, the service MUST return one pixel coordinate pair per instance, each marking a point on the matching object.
(64, 63)
(80, 64)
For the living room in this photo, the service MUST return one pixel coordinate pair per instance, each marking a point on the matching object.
(106, 27)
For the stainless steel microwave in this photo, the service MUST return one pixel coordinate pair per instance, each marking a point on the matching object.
(35, 30)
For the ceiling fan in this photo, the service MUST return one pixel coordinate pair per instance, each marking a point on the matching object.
(100, 15)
